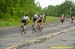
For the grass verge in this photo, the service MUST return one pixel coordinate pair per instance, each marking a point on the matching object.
(17, 22)
(50, 19)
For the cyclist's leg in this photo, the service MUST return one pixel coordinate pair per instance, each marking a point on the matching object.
(33, 27)
(41, 26)
(25, 27)
(62, 21)
(22, 28)
(38, 25)
(72, 21)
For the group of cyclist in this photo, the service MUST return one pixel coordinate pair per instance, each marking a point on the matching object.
(37, 22)
(62, 19)
(73, 20)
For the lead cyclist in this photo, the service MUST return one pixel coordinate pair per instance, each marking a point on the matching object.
(24, 23)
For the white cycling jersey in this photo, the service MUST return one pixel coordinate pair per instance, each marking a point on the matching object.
(36, 16)
(25, 18)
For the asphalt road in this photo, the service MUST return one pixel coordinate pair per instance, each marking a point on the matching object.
(63, 41)
(11, 36)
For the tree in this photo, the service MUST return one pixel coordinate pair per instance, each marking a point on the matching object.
(17, 8)
(65, 8)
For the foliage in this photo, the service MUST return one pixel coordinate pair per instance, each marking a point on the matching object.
(66, 8)
(17, 8)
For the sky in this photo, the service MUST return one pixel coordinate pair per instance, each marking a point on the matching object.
(45, 3)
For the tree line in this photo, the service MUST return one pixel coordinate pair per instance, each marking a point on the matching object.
(17, 8)
(67, 8)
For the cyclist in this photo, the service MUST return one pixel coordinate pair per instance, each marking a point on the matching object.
(72, 20)
(40, 22)
(24, 21)
(34, 21)
(62, 18)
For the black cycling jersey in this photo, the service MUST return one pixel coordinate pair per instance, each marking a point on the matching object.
(25, 21)
(34, 19)
(40, 19)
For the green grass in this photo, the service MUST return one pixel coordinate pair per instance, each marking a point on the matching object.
(9, 22)
(16, 22)
(50, 19)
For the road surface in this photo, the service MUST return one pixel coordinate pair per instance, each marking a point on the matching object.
(63, 41)
(11, 36)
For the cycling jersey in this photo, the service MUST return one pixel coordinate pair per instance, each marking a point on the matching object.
(35, 18)
(25, 20)
(40, 19)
